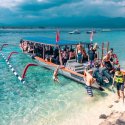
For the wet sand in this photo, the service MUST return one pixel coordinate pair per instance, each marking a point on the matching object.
(91, 116)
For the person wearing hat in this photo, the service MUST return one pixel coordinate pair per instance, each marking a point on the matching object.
(119, 81)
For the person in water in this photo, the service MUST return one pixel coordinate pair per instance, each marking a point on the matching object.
(119, 81)
(89, 80)
(55, 75)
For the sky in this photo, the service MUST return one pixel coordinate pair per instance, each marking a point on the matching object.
(52, 12)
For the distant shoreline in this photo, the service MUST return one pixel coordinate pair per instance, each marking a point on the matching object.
(83, 28)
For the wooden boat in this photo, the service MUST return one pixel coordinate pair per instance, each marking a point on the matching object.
(72, 69)
(106, 30)
(90, 31)
(75, 32)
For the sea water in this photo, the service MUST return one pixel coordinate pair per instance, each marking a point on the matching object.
(40, 101)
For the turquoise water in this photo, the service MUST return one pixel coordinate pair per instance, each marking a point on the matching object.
(40, 100)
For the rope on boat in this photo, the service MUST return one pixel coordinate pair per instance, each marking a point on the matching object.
(12, 69)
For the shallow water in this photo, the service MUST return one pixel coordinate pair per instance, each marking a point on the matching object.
(40, 100)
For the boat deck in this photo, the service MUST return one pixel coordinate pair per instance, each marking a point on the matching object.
(75, 66)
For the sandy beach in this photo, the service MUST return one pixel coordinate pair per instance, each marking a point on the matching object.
(105, 106)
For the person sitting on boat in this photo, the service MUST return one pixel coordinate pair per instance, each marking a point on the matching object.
(91, 56)
(55, 74)
(65, 57)
(114, 60)
(120, 82)
(47, 54)
(25, 46)
(79, 53)
(97, 75)
(105, 73)
(51, 50)
(107, 63)
(56, 55)
(71, 54)
(21, 44)
(30, 48)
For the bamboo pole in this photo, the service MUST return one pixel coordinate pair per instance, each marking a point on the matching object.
(43, 51)
(60, 57)
(107, 47)
(102, 50)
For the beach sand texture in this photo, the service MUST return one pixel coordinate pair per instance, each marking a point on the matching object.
(91, 117)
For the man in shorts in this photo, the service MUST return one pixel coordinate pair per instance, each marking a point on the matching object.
(119, 81)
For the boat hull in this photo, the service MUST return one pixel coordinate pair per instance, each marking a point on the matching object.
(65, 72)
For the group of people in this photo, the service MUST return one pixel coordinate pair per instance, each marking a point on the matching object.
(107, 71)
(103, 71)
(48, 52)
(52, 53)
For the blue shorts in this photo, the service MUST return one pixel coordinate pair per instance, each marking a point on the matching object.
(120, 86)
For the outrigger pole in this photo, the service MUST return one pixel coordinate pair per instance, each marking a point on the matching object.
(11, 55)
(3, 46)
(26, 68)
(11, 67)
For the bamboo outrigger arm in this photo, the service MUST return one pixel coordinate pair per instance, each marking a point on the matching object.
(26, 68)
(11, 55)
(3, 46)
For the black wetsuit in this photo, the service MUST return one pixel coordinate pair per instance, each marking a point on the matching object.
(98, 76)
(105, 73)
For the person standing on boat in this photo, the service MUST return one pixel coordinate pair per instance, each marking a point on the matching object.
(71, 54)
(85, 57)
(79, 55)
(55, 75)
(120, 82)
(91, 56)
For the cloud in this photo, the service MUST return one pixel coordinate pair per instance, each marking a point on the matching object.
(10, 3)
(38, 10)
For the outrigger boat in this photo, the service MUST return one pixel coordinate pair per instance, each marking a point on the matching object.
(72, 69)
(75, 32)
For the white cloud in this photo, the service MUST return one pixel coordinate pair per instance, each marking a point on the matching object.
(48, 9)
(10, 3)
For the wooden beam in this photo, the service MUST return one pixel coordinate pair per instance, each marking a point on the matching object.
(43, 52)
(102, 50)
(107, 47)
